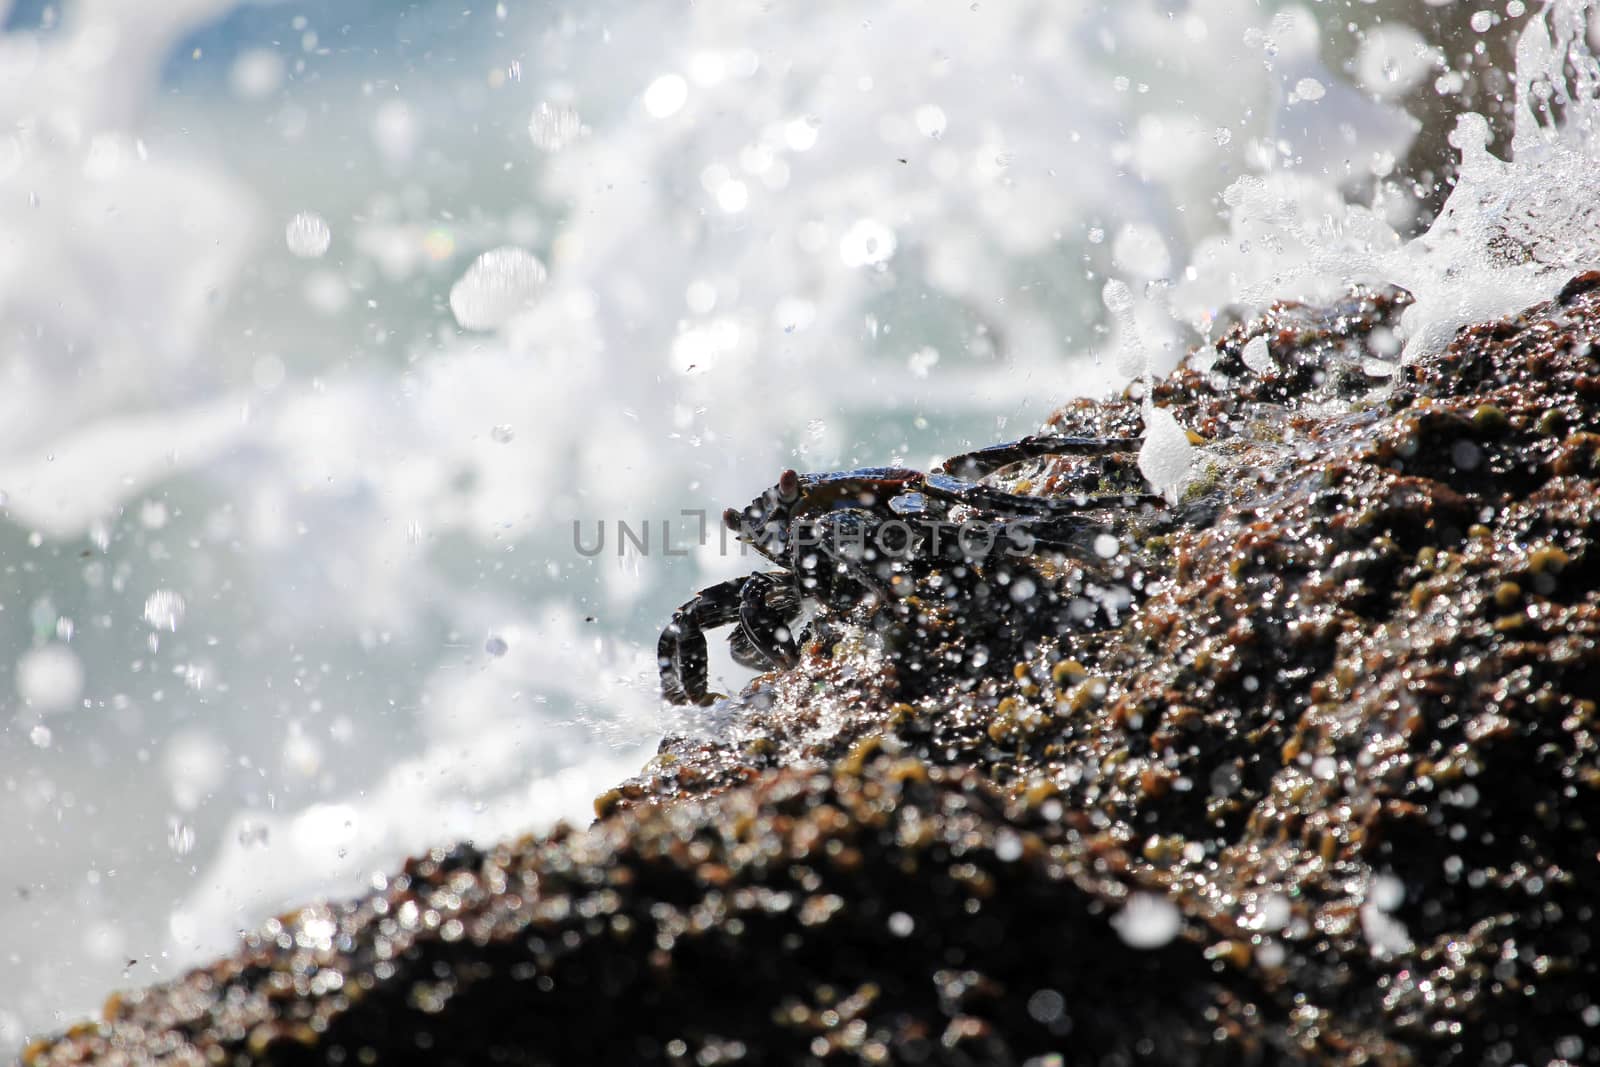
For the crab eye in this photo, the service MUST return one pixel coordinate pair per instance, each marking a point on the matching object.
(788, 487)
(732, 520)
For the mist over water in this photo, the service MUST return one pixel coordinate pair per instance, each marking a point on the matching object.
(318, 333)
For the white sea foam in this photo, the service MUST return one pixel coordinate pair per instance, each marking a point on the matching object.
(1510, 233)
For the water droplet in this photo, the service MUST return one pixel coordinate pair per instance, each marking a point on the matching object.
(1388, 892)
(1466, 455)
(1147, 921)
(40, 735)
(666, 95)
(496, 646)
(502, 434)
(180, 836)
(1223, 136)
(49, 678)
(554, 126)
(164, 610)
(867, 243)
(1117, 296)
(307, 235)
(1139, 250)
(1257, 357)
(256, 74)
(1166, 458)
(1309, 89)
(500, 283)
(394, 131)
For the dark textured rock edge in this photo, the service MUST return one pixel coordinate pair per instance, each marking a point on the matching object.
(1346, 736)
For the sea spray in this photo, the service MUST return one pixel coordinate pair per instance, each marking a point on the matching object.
(1510, 233)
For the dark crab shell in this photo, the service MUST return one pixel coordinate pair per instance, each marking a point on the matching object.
(803, 521)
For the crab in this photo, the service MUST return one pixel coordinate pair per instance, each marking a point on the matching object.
(860, 539)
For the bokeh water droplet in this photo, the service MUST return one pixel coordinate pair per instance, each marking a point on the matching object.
(253, 834)
(1309, 89)
(554, 126)
(180, 836)
(666, 95)
(867, 243)
(1257, 357)
(164, 609)
(49, 678)
(308, 235)
(500, 283)
(257, 73)
(1147, 921)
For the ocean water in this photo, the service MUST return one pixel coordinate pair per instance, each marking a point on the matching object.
(330, 344)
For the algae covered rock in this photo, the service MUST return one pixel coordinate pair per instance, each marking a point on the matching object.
(1324, 788)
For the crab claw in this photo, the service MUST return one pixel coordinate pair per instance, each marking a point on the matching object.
(733, 519)
(788, 487)
(681, 652)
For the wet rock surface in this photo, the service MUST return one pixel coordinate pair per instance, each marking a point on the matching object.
(1328, 789)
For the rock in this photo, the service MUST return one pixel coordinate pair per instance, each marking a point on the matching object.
(1323, 788)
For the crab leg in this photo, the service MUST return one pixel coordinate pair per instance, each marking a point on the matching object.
(981, 461)
(681, 652)
(1072, 534)
(766, 607)
(986, 498)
